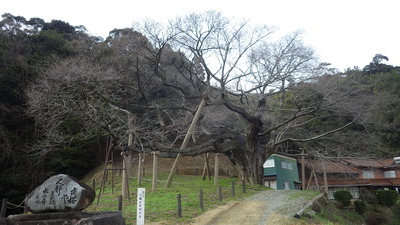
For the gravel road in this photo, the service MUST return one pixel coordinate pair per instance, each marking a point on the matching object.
(268, 207)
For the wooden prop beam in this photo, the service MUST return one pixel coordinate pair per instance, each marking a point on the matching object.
(185, 141)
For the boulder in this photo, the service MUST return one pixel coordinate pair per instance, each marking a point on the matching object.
(67, 218)
(60, 193)
(3, 221)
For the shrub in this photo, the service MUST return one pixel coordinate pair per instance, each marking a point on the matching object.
(360, 206)
(368, 196)
(374, 218)
(344, 197)
(387, 198)
(396, 210)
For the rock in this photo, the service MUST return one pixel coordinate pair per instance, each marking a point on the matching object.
(3, 221)
(67, 218)
(60, 193)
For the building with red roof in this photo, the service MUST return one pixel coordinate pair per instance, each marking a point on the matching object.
(351, 174)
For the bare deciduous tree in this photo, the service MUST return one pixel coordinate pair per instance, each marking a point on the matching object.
(246, 75)
(261, 93)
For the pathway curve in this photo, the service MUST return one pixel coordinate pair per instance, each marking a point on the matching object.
(268, 207)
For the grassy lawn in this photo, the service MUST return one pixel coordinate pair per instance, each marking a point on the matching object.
(161, 205)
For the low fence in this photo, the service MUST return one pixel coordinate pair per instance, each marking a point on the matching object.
(8, 205)
(219, 196)
(5, 204)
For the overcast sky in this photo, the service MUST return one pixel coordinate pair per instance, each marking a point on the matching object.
(345, 33)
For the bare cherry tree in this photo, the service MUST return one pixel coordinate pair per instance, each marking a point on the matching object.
(250, 81)
(260, 93)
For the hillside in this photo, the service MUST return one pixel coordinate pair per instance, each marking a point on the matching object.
(187, 166)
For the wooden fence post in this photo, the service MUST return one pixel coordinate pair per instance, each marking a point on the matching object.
(201, 199)
(179, 197)
(216, 169)
(233, 188)
(220, 193)
(3, 208)
(243, 186)
(25, 208)
(120, 203)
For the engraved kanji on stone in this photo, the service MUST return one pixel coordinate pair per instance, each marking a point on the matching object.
(59, 187)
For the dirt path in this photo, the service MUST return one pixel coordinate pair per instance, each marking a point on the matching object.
(233, 213)
(269, 207)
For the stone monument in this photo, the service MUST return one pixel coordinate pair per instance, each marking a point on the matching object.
(60, 201)
(60, 193)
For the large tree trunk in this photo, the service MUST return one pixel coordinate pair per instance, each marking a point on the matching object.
(249, 157)
(255, 156)
(250, 164)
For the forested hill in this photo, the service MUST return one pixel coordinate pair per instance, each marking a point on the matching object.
(64, 92)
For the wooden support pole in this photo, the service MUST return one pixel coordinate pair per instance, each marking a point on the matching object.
(311, 203)
(155, 171)
(112, 172)
(325, 178)
(310, 179)
(3, 208)
(105, 171)
(206, 170)
(216, 170)
(126, 160)
(316, 181)
(124, 176)
(139, 172)
(303, 171)
(185, 141)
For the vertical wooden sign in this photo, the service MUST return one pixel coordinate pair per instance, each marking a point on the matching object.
(141, 194)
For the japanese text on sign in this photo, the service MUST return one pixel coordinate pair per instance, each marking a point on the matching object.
(140, 206)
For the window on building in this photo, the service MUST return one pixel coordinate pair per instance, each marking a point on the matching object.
(389, 174)
(286, 165)
(368, 174)
(269, 163)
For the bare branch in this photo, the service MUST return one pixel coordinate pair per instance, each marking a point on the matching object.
(321, 135)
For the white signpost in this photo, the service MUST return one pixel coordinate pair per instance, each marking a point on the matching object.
(141, 194)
